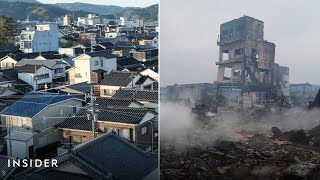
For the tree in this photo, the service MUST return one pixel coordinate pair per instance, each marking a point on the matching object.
(68, 44)
(7, 29)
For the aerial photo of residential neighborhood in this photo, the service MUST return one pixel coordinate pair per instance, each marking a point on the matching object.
(79, 84)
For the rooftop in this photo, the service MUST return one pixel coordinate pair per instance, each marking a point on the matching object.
(105, 156)
(137, 94)
(34, 102)
(110, 114)
(118, 78)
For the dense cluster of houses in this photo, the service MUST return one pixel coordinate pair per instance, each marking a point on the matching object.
(86, 86)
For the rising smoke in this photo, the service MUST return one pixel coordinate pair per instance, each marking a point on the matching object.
(180, 127)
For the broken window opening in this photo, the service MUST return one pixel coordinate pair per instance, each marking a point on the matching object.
(227, 73)
(238, 52)
(225, 55)
(236, 73)
(254, 55)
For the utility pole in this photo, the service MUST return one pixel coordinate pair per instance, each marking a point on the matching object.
(132, 78)
(36, 78)
(151, 134)
(9, 133)
(93, 112)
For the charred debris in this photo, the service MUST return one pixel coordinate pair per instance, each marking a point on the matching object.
(252, 88)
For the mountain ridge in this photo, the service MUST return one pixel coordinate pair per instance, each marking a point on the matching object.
(51, 12)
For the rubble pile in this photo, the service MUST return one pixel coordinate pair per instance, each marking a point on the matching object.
(261, 157)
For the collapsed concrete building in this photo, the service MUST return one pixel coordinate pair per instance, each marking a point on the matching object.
(246, 66)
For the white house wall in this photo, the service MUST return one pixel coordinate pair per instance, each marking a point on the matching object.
(67, 51)
(147, 117)
(29, 77)
(9, 62)
(150, 73)
(20, 149)
(82, 68)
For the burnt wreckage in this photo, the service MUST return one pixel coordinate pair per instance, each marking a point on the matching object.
(247, 65)
(248, 142)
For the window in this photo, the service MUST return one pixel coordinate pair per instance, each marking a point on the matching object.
(144, 130)
(107, 92)
(19, 122)
(225, 55)
(42, 76)
(125, 133)
(74, 110)
(58, 70)
(77, 75)
(27, 45)
(96, 63)
(238, 51)
(101, 63)
(4, 64)
(24, 121)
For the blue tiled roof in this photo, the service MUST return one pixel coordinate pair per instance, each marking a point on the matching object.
(34, 102)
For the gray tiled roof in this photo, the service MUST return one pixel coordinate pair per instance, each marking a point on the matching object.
(83, 87)
(105, 156)
(106, 54)
(27, 68)
(118, 115)
(46, 63)
(4, 165)
(78, 122)
(118, 78)
(112, 154)
(137, 94)
(113, 102)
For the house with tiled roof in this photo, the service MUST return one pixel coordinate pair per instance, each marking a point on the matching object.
(9, 79)
(57, 67)
(92, 67)
(149, 98)
(38, 76)
(78, 89)
(9, 60)
(134, 124)
(124, 79)
(116, 80)
(105, 157)
(32, 120)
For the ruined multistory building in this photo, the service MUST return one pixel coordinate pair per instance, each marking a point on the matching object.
(247, 61)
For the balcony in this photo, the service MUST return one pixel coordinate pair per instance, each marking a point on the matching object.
(230, 61)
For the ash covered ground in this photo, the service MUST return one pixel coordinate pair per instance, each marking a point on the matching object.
(207, 142)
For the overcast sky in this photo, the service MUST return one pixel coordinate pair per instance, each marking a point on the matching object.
(122, 3)
(189, 31)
